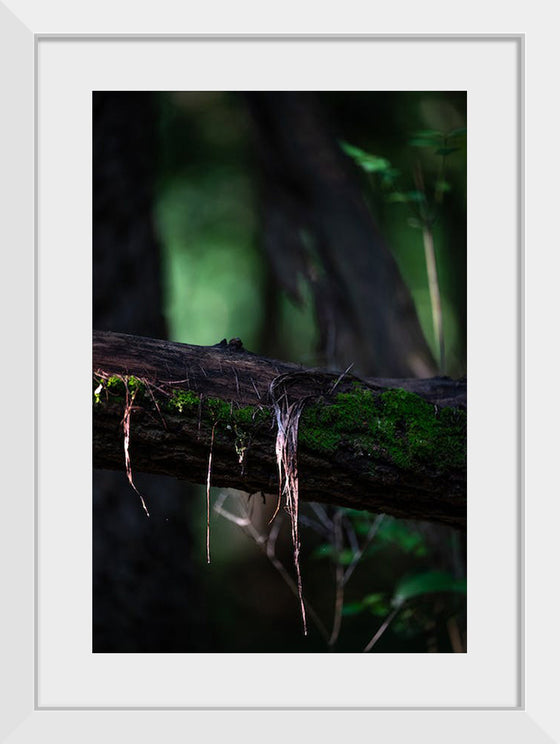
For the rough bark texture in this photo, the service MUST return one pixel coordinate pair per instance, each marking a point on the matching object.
(309, 188)
(362, 444)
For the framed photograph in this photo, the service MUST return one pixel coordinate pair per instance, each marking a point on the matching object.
(56, 680)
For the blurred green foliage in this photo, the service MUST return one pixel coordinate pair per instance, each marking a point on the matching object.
(207, 215)
(217, 285)
(424, 211)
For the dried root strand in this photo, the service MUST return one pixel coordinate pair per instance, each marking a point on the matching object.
(208, 494)
(129, 401)
(287, 420)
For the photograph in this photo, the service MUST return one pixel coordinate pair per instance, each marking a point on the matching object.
(278, 248)
(279, 371)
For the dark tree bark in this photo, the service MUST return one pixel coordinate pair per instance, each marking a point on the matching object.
(316, 225)
(145, 593)
(126, 255)
(361, 444)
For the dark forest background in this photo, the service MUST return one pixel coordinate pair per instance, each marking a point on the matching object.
(297, 222)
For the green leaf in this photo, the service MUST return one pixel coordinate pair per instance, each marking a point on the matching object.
(447, 150)
(323, 551)
(427, 138)
(429, 133)
(362, 527)
(416, 196)
(409, 196)
(395, 532)
(353, 608)
(360, 513)
(427, 583)
(373, 164)
(397, 196)
(350, 149)
(372, 599)
(344, 557)
(389, 177)
(376, 603)
(424, 142)
(443, 186)
(457, 133)
(368, 162)
(392, 173)
(361, 521)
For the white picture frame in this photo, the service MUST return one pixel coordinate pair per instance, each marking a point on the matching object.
(531, 718)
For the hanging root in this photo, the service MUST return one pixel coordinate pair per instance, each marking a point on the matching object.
(287, 421)
(208, 495)
(129, 400)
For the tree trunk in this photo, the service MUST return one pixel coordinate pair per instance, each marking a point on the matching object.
(392, 446)
(317, 225)
(151, 602)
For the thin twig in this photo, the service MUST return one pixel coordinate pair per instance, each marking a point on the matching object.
(256, 389)
(199, 417)
(236, 380)
(431, 270)
(351, 535)
(321, 513)
(331, 391)
(154, 401)
(455, 636)
(385, 624)
(358, 554)
(435, 298)
(208, 495)
(315, 526)
(242, 522)
(267, 546)
(339, 579)
(438, 190)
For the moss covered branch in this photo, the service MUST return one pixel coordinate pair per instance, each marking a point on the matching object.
(397, 447)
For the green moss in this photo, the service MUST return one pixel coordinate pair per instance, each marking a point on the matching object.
(230, 422)
(392, 427)
(249, 415)
(135, 385)
(325, 427)
(237, 423)
(397, 426)
(242, 442)
(114, 386)
(422, 433)
(316, 429)
(218, 409)
(183, 401)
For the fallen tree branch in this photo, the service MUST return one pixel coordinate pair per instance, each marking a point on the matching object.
(389, 446)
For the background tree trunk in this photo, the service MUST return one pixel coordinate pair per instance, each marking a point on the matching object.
(316, 225)
(144, 590)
